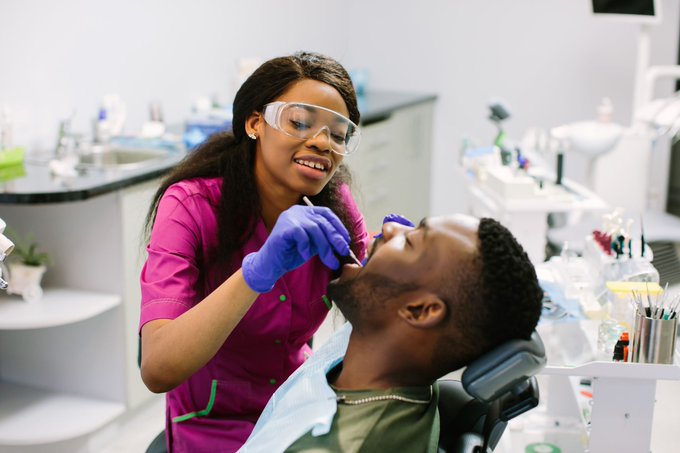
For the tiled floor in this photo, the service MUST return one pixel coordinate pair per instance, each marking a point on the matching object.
(141, 429)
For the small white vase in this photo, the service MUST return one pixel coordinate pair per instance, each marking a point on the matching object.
(25, 281)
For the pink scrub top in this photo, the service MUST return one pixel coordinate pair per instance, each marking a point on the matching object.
(216, 408)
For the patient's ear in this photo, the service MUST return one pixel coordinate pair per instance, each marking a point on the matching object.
(424, 310)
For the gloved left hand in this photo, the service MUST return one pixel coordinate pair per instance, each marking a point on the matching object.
(396, 218)
(299, 234)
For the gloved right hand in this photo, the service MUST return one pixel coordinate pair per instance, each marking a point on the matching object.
(299, 234)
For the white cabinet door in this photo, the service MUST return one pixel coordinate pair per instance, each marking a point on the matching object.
(391, 168)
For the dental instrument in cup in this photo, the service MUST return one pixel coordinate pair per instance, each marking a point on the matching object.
(351, 253)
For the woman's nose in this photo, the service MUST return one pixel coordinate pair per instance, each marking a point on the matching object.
(322, 139)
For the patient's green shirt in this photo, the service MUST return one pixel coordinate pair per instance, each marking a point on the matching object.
(379, 426)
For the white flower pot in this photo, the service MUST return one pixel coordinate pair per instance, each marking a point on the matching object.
(25, 281)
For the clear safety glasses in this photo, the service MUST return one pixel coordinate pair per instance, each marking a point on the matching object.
(305, 121)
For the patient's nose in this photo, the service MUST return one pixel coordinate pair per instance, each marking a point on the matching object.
(391, 229)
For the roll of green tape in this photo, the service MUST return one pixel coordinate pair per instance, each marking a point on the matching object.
(542, 447)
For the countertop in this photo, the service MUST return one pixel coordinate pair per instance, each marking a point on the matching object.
(377, 105)
(39, 186)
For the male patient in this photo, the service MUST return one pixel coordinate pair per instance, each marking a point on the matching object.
(428, 301)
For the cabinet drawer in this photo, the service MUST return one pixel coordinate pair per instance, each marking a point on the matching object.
(376, 136)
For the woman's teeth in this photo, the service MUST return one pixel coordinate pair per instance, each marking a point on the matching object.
(310, 164)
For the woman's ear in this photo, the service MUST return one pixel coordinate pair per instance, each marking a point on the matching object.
(423, 311)
(254, 125)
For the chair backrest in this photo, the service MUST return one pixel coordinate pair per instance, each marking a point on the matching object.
(495, 388)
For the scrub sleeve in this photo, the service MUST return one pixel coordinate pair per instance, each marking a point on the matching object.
(217, 407)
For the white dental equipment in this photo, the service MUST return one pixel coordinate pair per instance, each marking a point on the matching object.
(6, 247)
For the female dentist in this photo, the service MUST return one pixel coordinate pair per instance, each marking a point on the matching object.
(234, 284)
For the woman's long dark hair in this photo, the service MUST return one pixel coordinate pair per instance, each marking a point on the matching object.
(231, 155)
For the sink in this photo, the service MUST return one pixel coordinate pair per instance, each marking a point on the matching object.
(122, 158)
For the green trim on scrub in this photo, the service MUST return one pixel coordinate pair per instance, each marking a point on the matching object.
(327, 302)
(204, 412)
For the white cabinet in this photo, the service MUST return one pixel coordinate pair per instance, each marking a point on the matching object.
(68, 364)
(56, 367)
(391, 168)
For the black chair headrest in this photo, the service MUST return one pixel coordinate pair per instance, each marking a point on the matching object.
(505, 368)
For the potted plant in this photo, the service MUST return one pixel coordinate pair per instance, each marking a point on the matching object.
(27, 265)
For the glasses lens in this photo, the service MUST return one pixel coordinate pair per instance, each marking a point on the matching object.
(306, 121)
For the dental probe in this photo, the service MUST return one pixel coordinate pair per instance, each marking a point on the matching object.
(351, 253)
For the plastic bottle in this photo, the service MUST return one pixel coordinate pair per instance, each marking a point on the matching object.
(621, 348)
(604, 110)
(102, 127)
(155, 127)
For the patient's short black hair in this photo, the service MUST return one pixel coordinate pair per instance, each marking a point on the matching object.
(509, 286)
(497, 297)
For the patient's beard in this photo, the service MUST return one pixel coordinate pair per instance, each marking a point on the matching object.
(359, 298)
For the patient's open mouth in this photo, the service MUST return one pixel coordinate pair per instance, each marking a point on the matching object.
(347, 271)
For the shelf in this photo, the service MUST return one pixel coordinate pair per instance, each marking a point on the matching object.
(32, 416)
(580, 360)
(620, 370)
(58, 307)
(566, 198)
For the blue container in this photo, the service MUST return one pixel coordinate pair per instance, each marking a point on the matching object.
(199, 128)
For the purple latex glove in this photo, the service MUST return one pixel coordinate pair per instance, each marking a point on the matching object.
(394, 218)
(299, 234)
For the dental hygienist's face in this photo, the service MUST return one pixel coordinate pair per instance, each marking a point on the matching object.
(290, 164)
(409, 257)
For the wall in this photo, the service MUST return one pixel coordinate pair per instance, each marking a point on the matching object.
(57, 57)
(549, 60)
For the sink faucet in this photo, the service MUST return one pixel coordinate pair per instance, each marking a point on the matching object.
(67, 141)
(63, 139)
(6, 247)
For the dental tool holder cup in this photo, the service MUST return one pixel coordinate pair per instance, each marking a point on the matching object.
(653, 339)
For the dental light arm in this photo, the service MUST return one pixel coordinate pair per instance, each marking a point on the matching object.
(6, 247)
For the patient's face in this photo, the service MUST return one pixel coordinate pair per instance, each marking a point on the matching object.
(407, 258)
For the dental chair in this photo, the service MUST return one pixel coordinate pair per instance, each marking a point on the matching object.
(495, 388)
(473, 412)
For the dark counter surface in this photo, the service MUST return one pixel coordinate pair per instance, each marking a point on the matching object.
(39, 186)
(377, 105)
